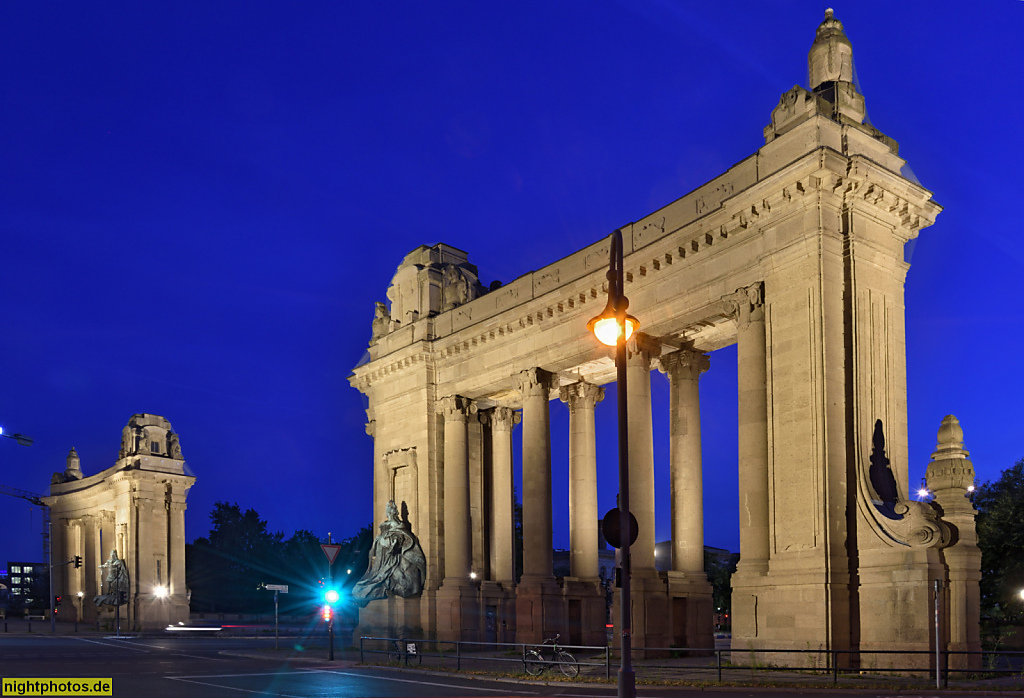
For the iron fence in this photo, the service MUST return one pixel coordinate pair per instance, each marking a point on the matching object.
(701, 663)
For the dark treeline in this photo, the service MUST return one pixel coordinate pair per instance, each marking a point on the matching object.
(226, 570)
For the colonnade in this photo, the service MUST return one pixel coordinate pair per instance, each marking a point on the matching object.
(675, 607)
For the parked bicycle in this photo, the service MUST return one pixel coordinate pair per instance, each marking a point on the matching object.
(543, 656)
(410, 655)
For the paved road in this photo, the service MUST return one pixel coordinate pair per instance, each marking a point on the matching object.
(199, 668)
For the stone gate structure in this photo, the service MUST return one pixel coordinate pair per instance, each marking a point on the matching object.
(796, 255)
(136, 508)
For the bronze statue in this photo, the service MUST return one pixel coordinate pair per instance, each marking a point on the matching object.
(397, 564)
(117, 582)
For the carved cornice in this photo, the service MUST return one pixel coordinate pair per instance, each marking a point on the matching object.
(644, 346)
(683, 364)
(581, 395)
(534, 382)
(746, 304)
(501, 418)
(456, 408)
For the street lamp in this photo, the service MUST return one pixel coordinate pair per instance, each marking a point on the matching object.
(20, 438)
(612, 328)
(160, 592)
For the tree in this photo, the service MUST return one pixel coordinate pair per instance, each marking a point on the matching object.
(1000, 524)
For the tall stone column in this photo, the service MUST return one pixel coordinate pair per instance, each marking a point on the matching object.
(640, 350)
(458, 607)
(683, 369)
(540, 609)
(457, 528)
(690, 599)
(748, 308)
(535, 387)
(581, 399)
(176, 559)
(502, 421)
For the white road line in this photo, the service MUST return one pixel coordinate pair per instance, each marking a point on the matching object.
(229, 676)
(111, 644)
(231, 688)
(422, 683)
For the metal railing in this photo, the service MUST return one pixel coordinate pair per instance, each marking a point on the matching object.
(702, 662)
(462, 651)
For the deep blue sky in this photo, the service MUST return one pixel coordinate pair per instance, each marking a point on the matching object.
(200, 202)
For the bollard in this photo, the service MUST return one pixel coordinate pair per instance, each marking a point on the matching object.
(30, 626)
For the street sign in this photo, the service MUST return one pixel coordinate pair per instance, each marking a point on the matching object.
(611, 524)
(331, 551)
(283, 588)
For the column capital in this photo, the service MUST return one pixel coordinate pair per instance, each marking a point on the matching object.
(534, 382)
(455, 408)
(746, 304)
(585, 395)
(683, 364)
(501, 418)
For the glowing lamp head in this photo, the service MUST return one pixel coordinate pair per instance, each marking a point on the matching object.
(606, 326)
(472, 575)
(970, 488)
(160, 592)
(922, 493)
(1022, 593)
(331, 596)
(81, 594)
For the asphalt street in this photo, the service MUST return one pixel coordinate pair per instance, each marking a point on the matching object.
(214, 667)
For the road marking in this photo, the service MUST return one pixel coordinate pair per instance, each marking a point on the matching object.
(111, 644)
(231, 688)
(422, 683)
(229, 676)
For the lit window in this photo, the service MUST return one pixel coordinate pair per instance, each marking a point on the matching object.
(27, 570)
(16, 581)
(15, 569)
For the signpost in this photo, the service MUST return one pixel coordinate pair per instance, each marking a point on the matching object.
(283, 588)
(331, 551)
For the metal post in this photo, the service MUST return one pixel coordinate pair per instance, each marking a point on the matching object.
(608, 662)
(330, 633)
(49, 559)
(718, 661)
(627, 679)
(458, 656)
(362, 660)
(275, 619)
(835, 667)
(938, 645)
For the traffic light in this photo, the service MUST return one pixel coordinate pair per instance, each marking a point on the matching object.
(331, 596)
(78, 561)
(328, 613)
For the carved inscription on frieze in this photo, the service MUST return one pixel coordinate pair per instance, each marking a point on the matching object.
(709, 200)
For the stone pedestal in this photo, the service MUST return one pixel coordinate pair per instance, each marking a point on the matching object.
(651, 619)
(458, 613)
(391, 617)
(540, 610)
(691, 610)
(497, 612)
(584, 612)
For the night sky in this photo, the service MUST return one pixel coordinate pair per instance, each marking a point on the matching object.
(201, 201)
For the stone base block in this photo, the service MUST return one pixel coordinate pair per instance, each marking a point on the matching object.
(391, 617)
(540, 610)
(498, 612)
(585, 612)
(650, 618)
(459, 615)
(691, 610)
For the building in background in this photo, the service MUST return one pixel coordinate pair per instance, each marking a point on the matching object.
(135, 508)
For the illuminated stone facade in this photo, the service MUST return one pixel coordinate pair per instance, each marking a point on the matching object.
(796, 255)
(136, 507)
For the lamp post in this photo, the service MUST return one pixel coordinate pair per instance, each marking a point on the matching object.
(613, 327)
